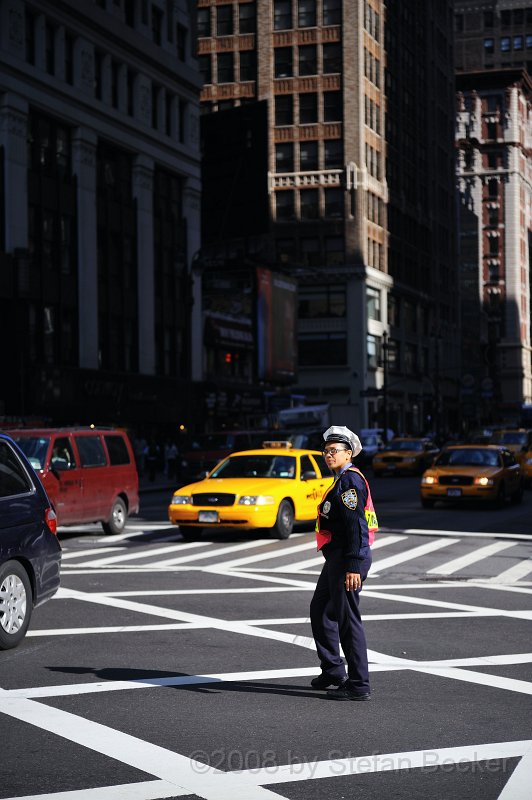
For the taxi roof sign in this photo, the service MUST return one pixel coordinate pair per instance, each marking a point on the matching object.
(278, 444)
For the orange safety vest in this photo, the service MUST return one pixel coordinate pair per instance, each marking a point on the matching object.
(324, 536)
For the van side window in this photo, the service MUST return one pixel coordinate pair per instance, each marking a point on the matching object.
(63, 455)
(13, 477)
(116, 447)
(91, 451)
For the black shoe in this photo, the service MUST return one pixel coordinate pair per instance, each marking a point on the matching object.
(345, 693)
(323, 681)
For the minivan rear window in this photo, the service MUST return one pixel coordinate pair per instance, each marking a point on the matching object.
(13, 477)
(91, 451)
(116, 447)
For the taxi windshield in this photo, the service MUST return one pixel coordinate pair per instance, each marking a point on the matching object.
(468, 458)
(34, 448)
(511, 437)
(257, 466)
(405, 444)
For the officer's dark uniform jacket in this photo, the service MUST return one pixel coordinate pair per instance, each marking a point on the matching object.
(341, 513)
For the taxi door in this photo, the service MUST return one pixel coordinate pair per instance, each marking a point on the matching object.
(65, 479)
(311, 488)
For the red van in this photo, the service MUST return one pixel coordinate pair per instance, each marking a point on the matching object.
(89, 473)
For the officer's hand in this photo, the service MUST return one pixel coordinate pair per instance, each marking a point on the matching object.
(352, 581)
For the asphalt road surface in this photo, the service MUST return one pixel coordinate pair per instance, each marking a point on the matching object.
(169, 669)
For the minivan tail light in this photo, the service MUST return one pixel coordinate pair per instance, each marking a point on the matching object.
(50, 517)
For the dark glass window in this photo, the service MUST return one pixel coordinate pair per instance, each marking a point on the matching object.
(204, 21)
(334, 153)
(49, 48)
(69, 58)
(224, 20)
(114, 84)
(332, 57)
(181, 39)
(13, 477)
(308, 108)
(248, 65)
(506, 44)
(322, 348)
(308, 156)
(116, 447)
(308, 60)
(282, 15)
(506, 18)
(247, 18)
(528, 42)
(332, 12)
(129, 12)
(29, 42)
(283, 62)
(91, 451)
(205, 68)
(489, 46)
(306, 13)
(332, 106)
(284, 157)
(284, 203)
(334, 203)
(310, 203)
(488, 19)
(226, 68)
(156, 24)
(322, 302)
(518, 42)
(519, 16)
(284, 109)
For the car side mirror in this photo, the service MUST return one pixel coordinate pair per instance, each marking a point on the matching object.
(58, 465)
(308, 475)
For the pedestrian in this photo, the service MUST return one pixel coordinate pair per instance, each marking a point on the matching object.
(345, 529)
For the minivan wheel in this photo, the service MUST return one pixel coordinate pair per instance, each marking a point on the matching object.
(117, 521)
(16, 603)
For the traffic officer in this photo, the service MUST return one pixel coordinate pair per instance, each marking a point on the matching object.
(345, 528)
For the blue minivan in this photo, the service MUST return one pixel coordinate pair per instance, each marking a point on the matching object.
(30, 553)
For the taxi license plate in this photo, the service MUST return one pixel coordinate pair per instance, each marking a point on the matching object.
(208, 516)
(454, 492)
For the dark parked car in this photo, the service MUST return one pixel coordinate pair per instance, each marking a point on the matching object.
(30, 553)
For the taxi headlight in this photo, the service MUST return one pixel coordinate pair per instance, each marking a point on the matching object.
(181, 500)
(256, 500)
(483, 481)
(429, 479)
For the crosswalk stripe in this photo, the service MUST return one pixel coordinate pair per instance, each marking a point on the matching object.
(318, 560)
(285, 551)
(92, 552)
(409, 555)
(516, 572)
(481, 553)
(171, 548)
(171, 562)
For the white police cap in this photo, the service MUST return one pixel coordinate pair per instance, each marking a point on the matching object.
(342, 435)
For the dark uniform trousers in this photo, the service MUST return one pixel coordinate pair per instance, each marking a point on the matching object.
(335, 619)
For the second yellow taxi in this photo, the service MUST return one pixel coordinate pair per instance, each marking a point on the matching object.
(404, 455)
(483, 472)
(273, 487)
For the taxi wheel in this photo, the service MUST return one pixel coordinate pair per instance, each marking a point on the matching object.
(190, 533)
(284, 523)
(117, 521)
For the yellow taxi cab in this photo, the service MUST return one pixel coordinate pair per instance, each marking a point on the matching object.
(404, 455)
(484, 472)
(273, 487)
(519, 442)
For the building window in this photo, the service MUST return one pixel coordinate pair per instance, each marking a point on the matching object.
(308, 156)
(489, 46)
(204, 22)
(284, 204)
(130, 84)
(308, 60)
(284, 157)
(334, 203)
(529, 42)
(169, 112)
(69, 58)
(282, 15)
(393, 355)
(306, 13)
(332, 12)
(519, 16)
(373, 303)
(332, 106)
(506, 18)
(315, 349)
(181, 37)
(373, 350)
(334, 250)
(459, 23)
(310, 203)
(394, 311)
(410, 359)
(310, 256)
(308, 108)
(49, 48)
(333, 153)
(224, 20)
(283, 62)
(247, 18)
(205, 68)
(156, 25)
(98, 64)
(409, 310)
(505, 44)
(321, 302)
(284, 109)
(518, 42)
(29, 33)
(248, 65)
(332, 58)
(488, 19)
(114, 84)
(493, 188)
(226, 73)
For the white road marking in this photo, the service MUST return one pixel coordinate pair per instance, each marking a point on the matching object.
(409, 555)
(473, 557)
(518, 786)
(318, 560)
(285, 551)
(141, 530)
(218, 552)
(187, 775)
(144, 553)
(516, 572)
(527, 537)
(94, 551)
